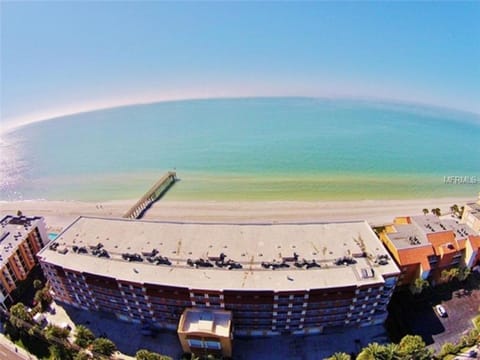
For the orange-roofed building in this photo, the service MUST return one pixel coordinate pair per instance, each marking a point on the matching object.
(424, 246)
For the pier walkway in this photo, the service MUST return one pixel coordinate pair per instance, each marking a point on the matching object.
(152, 195)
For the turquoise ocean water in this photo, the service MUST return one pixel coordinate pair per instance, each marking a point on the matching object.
(252, 149)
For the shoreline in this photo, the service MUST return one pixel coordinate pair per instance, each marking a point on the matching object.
(59, 214)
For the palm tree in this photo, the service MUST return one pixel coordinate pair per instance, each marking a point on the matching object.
(84, 336)
(19, 316)
(56, 333)
(103, 346)
(371, 352)
(339, 356)
(391, 352)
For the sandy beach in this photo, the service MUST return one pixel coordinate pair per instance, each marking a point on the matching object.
(59, 214)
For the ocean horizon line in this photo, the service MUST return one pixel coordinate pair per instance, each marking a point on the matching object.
(16, 124)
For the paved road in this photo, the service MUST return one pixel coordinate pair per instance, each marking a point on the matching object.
(7, 354)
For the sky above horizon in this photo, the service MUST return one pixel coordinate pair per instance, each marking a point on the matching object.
(64, 57)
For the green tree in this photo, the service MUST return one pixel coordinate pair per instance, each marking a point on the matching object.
(56, 333)
(82, 355)
(448, 348)
(448, 275)
(425, 211)
(339, 356)
(60, 352)
(19, 316)
(84, 336)
(103, 346)
(43, 298)
(37, 284)
(148, 355)
(390, 352)
(455, 210)
(414, 348)
(372, 352)
(419, 285)
(463, 273)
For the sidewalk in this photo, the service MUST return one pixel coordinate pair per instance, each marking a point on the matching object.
(16, 350)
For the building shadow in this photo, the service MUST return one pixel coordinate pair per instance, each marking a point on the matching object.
(127, 336)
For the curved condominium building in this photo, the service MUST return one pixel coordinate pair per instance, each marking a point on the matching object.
(271, 278)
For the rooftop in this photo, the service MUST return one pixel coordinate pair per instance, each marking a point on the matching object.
(224, 256)
(416, 233)
(216, 322)
(431, 224)
(407, 236)
(475, 209)
(13, 229)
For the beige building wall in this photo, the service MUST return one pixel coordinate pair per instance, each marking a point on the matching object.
(204, 332)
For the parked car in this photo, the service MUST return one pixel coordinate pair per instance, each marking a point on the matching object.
(441, 311)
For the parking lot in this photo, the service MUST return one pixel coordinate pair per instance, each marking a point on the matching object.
(418, 315)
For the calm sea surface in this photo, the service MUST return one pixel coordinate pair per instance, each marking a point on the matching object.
(253, 149)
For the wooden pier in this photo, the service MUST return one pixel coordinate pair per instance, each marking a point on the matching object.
(152, 195)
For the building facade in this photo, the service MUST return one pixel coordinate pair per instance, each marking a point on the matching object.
(273, 278)
(471, 215)
(426, 245)
(21, 239)
(204, 332)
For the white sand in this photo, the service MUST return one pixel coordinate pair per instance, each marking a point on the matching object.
(58, 214)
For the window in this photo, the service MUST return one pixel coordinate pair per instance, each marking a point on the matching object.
(211, 344)
(195, 343)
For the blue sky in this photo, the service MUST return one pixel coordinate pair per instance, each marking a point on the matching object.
(60, 57)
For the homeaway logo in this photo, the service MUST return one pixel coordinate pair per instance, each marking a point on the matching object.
(461, 180)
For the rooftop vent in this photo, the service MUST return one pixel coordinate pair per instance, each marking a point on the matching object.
(159, 260)
(274, 265)
(413, 240)
(382, 259)
(367, 273)
(150, 253)
(132, 257)
(199, 263)
(79, 249)
(346, 260)
(62, 250)
(306, 264)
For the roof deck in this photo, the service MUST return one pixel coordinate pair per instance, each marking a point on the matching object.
(216, 322)
(224, 256)
(416, 233)
(407, 236)
(430, 224)
(13, 229)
